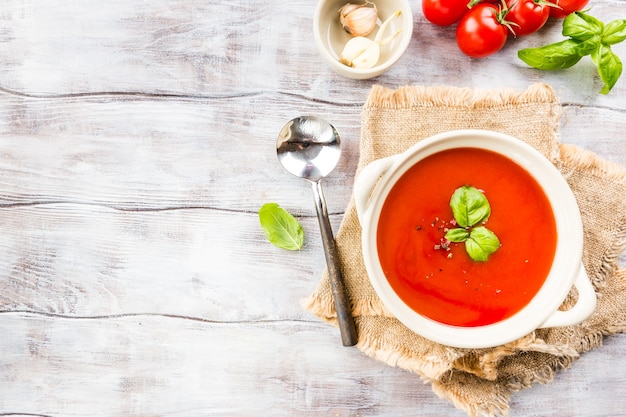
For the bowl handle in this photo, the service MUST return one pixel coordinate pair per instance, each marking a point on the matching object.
(583, 308)
(366, 181)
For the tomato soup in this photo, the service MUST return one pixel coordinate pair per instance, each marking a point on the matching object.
(437, 278)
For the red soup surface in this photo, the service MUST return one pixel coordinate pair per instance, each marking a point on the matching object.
(442, 282)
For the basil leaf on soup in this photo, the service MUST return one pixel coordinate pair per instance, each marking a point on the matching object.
(457, 235)
(280, 227)
(469, 206)
(471, 211)
(481, 243)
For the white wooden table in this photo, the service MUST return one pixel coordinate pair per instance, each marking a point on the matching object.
(136, 147)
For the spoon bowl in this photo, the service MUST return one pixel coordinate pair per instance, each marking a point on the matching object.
(309, 147)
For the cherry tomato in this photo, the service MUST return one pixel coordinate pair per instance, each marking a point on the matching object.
(526, 16)
(444, 12)
(566, 7)
(480, 32)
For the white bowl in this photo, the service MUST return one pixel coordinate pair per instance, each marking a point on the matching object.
(330, 37)
(377, 179)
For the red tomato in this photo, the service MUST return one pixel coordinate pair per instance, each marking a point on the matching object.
(527, 16)
(480, 32)
(566, 7)
(444, 12)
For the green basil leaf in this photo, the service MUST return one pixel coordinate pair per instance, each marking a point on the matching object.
(587, 47)
(457, 235)
(614, 32)
(555, 56)
(481, 243)
(581, 26)
(280, 227)
(469, 206)
(609, 67)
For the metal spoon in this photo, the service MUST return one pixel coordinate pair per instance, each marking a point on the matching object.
(309, 148)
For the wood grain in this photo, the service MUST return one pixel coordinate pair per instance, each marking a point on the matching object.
(137, 142)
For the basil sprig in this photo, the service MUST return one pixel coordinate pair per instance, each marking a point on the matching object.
(280, 227)
(470, 208)
(587, 36)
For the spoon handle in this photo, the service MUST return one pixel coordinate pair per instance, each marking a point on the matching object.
(342, 304)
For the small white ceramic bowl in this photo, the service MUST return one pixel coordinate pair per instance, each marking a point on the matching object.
(376, 180)
(330, 37)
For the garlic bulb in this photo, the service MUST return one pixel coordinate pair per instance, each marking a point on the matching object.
(358, 19)
(362, 52)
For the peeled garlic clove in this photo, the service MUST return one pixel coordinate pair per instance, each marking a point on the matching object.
(360, 52)
(358, 19)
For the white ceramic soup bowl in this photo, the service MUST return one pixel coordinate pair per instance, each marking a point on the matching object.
(330, 37)
(377, 179)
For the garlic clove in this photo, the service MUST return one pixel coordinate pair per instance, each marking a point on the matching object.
(358, 19)
(360, 52)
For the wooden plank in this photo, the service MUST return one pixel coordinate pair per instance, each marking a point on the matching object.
(138, 154)
(145, 154)
(86, 261)
(222, 49)
(154, 365)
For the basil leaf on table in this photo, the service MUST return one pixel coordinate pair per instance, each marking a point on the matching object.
(280, 227)
(614, 32)
(587, 36)
(581, 26)
(587, 47)
(609, 67)
(555, 56)
(481, 243)
(469, 206)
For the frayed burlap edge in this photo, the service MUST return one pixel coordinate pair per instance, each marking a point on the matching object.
(316, 305)
(422, 96)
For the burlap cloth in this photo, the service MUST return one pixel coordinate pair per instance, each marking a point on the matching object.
(480, 382)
